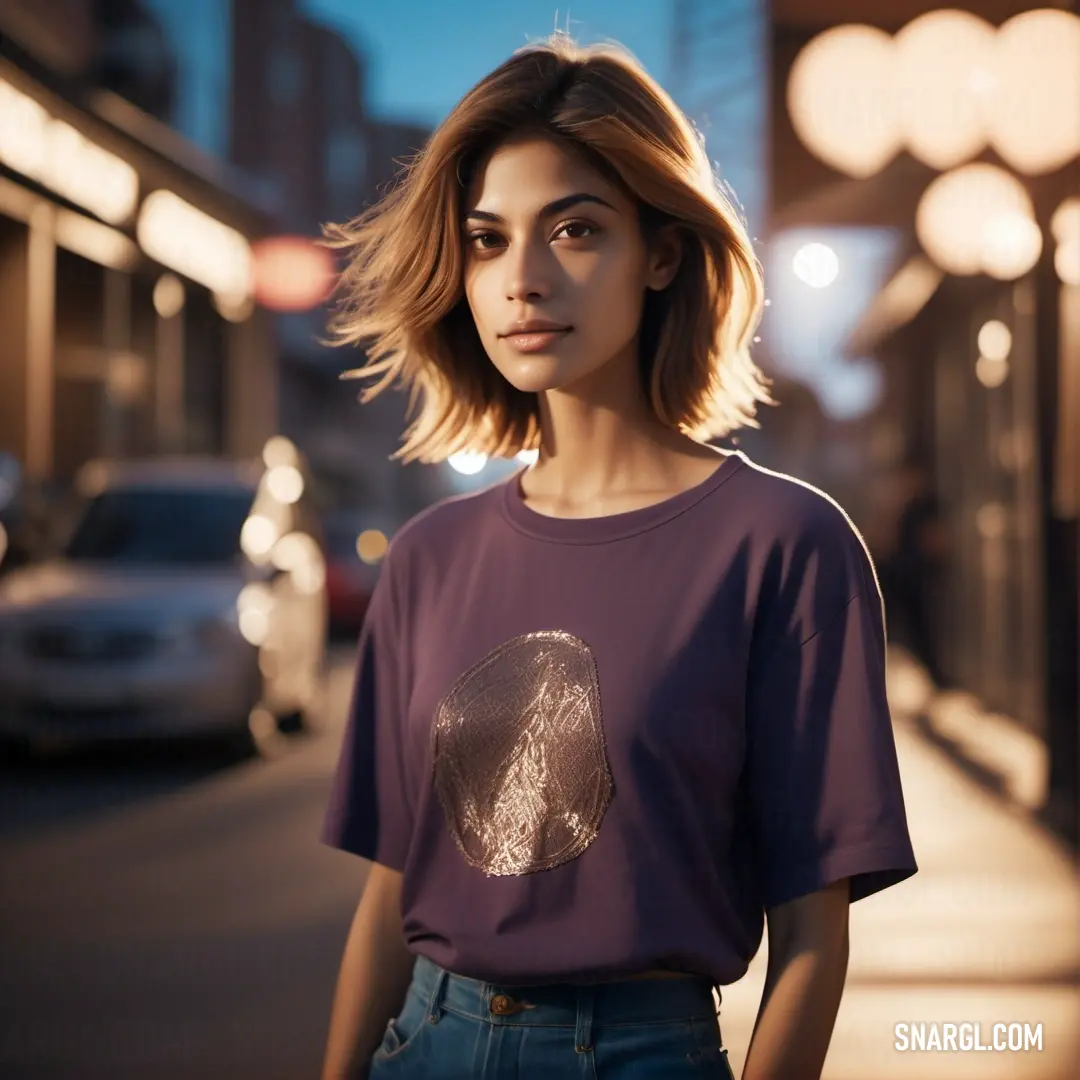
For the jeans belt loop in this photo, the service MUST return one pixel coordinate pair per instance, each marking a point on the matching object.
(435, 1004)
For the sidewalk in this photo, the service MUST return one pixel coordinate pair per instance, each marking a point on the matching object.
(987, 931)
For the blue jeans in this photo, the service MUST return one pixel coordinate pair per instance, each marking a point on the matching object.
(454, 1028)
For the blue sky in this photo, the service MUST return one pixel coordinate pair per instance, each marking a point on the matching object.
(425, 54)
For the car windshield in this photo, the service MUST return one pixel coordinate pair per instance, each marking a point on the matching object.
(162, 526)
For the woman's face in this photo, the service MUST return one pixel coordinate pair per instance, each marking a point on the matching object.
(549, 239)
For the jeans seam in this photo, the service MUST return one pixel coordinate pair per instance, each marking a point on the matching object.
(613, 1025)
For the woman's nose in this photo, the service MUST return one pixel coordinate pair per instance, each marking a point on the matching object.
(528, 271)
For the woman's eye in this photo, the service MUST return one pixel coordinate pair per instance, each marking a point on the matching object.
(474, 237)
(574, 230)
(589, 229)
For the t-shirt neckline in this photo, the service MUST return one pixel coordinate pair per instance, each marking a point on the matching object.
(600, 530)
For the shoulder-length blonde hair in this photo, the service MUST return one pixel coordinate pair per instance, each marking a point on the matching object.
(402, 296)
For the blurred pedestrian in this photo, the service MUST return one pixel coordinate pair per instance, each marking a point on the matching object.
(912, 577)
(612, 712)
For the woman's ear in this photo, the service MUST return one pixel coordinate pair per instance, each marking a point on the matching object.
(665, 255)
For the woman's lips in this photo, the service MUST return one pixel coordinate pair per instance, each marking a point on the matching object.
(536, 341)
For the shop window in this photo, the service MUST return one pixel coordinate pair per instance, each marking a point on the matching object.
(205, 363)
(81, 364)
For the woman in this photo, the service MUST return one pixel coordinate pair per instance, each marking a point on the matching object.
(610, 713)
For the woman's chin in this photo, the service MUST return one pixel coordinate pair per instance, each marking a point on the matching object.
(534, 374)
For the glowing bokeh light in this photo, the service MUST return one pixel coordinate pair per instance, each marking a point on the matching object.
(292, 273)
(258, 536)
(966, 220)
(841, 99)
(1065, 228)
(1067, 262)
(944, 70)
(168, 296)
(279, 451)
(816, 264)
(1033, 110)
(372, 545)
(995, 340)
(1065, 221)
(191, 242)
(285, 483)
(254, 606)
(254, 626)
(467, 462)
(991, 373)
(1012, 245)
(292, 550)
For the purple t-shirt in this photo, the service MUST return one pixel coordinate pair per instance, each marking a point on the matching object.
(606, 745)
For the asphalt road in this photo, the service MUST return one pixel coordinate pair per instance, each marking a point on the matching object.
(172, 916)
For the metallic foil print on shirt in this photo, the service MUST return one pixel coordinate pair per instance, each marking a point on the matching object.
(519, 761)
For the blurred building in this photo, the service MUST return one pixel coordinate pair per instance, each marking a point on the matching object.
(719, 75)
(199, 40)
(301, 127)
(125, 253)
(977, 364)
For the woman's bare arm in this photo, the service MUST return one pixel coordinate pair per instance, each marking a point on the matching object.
(808, 956)
(376, 969)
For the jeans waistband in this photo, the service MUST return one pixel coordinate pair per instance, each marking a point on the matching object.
(638, 1001)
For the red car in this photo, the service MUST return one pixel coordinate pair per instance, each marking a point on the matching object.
(354, 550)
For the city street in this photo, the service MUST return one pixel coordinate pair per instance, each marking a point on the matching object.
(178, 919)
(171, 921)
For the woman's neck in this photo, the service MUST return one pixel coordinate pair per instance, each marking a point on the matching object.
(599, 453)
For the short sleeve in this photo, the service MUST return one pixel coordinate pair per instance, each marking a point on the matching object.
(369, 813)
(822, 775)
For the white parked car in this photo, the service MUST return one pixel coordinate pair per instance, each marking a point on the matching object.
(189, 600)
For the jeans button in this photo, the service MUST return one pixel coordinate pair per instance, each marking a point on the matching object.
(501, 1005)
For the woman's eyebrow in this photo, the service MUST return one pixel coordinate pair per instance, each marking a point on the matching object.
(555, 207)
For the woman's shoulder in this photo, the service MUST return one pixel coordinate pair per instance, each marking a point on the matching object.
(443, 525)
(810, 560)
(782, 508)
